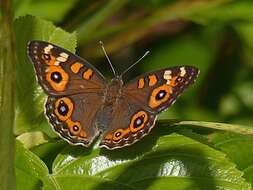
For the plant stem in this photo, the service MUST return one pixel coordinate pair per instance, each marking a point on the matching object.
(7, 103)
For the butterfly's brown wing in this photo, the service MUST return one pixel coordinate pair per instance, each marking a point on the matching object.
(73, 117)
(158, 90)
(143, 98)
(60, 72)
(75, 90)
(130, 122)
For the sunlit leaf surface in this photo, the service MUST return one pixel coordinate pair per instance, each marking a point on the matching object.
(239, 150)
(171, 161)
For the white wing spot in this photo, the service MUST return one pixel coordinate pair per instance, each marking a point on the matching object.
(61, 59)
(167, 76)
(182, 71)
(48, 49)
(64, 55)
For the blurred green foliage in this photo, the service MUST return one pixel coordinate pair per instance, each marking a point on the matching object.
(215, 36)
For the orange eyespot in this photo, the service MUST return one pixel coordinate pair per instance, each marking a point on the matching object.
(57, 78)
(75, 67)
(159, 95)
(138, 121)
(119, 134)
(75, 127)
(63, 108)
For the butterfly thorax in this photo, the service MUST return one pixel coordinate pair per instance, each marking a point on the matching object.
(113, 91)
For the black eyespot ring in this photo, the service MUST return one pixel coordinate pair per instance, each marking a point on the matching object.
(56, 77)
(139, 121)
(118, 134)
(160, 95)
(63, 108)
(75, 128)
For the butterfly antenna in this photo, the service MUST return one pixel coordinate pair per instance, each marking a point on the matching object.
(108, 59)
(145, 54)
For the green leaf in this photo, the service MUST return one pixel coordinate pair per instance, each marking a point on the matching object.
(248, 173)
(48, 151)
(239, 150)
(31, 139)
(29, 169)
(240, 129)
(46, 9)
(30, 97)
(237, 147)
(171, 161)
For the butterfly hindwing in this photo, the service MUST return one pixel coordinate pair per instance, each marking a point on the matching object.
(130, 122)
(60, 72)
(73, 117)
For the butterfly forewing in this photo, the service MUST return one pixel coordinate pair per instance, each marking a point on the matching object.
(60, 72)
(160, 89)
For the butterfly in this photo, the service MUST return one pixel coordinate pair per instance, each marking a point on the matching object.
(81, 104)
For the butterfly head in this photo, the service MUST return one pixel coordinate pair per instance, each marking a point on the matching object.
(117, 81)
